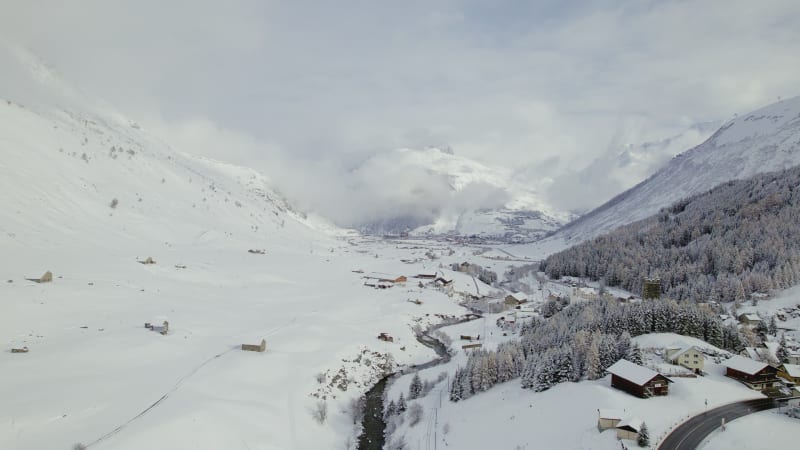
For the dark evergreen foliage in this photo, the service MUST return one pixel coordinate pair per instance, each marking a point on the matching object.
(739, 238)
(582, 341)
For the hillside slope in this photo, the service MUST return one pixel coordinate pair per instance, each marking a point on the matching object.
(764, 140)
(739, 238)
(87, 194)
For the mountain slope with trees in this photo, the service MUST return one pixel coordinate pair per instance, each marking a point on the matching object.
(740, 238)
(761, 141)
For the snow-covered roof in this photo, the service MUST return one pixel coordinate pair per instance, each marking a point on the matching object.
(792, 369)
(750, 317)
(678, 350)
(519, 296)
(744, 365)
(634, 423)
(610, 414)
(632, 372)
(752, 353)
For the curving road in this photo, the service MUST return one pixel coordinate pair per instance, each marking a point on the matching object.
(691, 433)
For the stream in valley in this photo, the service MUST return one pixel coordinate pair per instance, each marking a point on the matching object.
(373, 426)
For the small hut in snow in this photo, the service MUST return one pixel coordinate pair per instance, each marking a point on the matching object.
(255, 348)
(629, 429)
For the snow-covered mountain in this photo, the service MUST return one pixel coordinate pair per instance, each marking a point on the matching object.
(71, 171)
(764, 140)
(621, 167)
(458, 196)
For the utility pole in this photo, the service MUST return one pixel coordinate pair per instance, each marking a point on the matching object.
(436, 428)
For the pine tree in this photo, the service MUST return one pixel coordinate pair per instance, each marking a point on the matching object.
(455, 387)
(636, 355)
(624, 345)
(594, 370)
(643, 439)
(401, 404)
(782, 353)
(415, 388)
(391, 409)
(773, 326)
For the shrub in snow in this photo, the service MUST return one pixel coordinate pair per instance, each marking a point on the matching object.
(355, 408)
(320, 412)
(114, 203)
(397, 443)
(415, 414)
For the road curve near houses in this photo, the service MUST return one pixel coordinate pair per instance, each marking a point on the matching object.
(690, 434)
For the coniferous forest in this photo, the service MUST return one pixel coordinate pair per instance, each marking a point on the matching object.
(739, 238)
(582, 341)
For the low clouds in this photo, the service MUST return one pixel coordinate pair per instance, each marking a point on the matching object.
(316, 88)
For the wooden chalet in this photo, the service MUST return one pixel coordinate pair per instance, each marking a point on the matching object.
(516, 298)
(790, 373)
(637, 380)
(751, 319)
(754, 374)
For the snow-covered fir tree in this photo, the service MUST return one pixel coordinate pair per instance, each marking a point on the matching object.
(415, 388)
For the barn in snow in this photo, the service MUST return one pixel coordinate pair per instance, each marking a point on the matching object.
(637, 380)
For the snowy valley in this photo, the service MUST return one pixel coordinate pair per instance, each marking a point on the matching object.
(150, 297)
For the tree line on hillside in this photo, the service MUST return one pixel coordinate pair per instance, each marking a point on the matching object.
(583, 340)
(739, 238)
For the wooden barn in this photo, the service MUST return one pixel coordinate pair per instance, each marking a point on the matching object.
(790, 372)
(754, 374)
(751, 319)
(629, 429)
(637, 380)
(516, 298)
(255, 347)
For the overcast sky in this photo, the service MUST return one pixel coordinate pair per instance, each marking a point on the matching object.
(542, 87)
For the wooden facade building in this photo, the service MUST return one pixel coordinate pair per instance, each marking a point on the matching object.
(637, 380)
(756, 375)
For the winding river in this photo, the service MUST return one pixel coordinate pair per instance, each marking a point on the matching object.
(372, 425)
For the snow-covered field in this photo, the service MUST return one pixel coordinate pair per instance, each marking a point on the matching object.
(90, 197)
(768, 429)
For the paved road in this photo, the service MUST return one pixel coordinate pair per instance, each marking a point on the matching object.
(689, 435)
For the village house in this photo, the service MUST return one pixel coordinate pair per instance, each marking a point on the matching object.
(637, 380)
(687, 356)
(608, 418)
(754, 374)
(751, 353)
(629, 429)
(790, 373)
(750, 319)
(516, 299)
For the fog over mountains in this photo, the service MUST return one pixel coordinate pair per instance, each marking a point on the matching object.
(764, 140)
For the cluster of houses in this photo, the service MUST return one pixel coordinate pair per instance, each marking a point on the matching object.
(644, 382)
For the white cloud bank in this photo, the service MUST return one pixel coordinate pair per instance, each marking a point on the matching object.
(315, 88)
